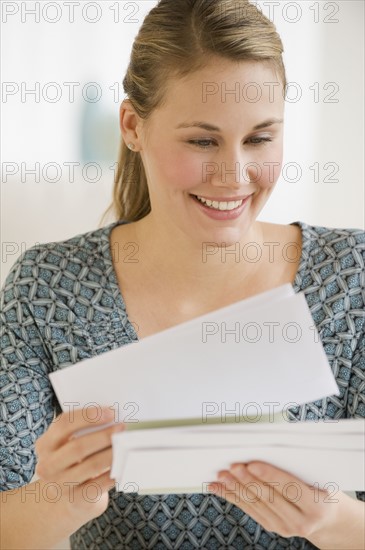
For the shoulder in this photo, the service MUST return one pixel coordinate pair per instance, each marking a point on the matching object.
(331, 255)
(346, 245)
(59, 298)
(52, 263)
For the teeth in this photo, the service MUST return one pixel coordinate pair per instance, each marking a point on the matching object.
(220, 205)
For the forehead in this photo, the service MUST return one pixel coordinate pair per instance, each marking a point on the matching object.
(225, 89)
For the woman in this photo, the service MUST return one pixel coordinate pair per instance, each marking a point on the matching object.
(197, 164)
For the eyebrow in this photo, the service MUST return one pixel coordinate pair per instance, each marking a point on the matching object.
(211, 128)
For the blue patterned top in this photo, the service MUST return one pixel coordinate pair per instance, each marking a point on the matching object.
(61, 303)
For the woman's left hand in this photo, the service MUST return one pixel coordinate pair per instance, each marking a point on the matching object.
(279, 501)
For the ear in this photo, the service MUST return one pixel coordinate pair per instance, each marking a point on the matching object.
(128, 122)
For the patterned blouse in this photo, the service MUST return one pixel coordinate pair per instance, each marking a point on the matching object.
(61, 303)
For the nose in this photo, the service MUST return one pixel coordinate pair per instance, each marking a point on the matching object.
(234, 171)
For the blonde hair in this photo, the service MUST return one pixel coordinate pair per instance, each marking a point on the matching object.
(178, 38)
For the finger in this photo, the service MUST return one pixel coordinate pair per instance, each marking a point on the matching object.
(291, 488)
(94, 466)
(75, 451)
(261, 499)
(105, 482)
(272, 504)
(61, 429)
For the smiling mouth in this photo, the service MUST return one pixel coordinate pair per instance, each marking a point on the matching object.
(220, 205)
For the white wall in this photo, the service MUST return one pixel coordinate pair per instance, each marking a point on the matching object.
(327, 57)
(316, 131)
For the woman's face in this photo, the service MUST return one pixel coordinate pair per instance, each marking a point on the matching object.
(227, 165)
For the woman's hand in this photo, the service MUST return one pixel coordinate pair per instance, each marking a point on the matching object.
(76, 469)
(281, 502)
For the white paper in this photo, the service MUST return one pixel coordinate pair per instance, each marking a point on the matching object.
(197, 373)
(183, 460)
(187, 373)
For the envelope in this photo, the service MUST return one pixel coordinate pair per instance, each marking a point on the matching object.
(328, 455)
(250, 360)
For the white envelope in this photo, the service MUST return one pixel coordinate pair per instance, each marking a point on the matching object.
(183, 460)
(198, 370)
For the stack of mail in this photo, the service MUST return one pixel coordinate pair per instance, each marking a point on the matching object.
(243, 364)
(327, 454)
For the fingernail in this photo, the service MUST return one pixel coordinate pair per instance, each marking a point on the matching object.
(119, 426)
(255, 469)
(108, 413)
(238, 469)
(224, 476)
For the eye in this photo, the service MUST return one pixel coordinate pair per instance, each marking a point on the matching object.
(259, 140)
(206, 143)
(200, 142)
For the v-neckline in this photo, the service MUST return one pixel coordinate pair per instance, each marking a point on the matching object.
(119, 299)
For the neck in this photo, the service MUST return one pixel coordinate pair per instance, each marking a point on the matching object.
(198, 267)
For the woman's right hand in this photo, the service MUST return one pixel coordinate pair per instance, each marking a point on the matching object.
(77, 468)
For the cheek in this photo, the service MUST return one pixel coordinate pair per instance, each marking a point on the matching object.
(179, 170)
(270, 165)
